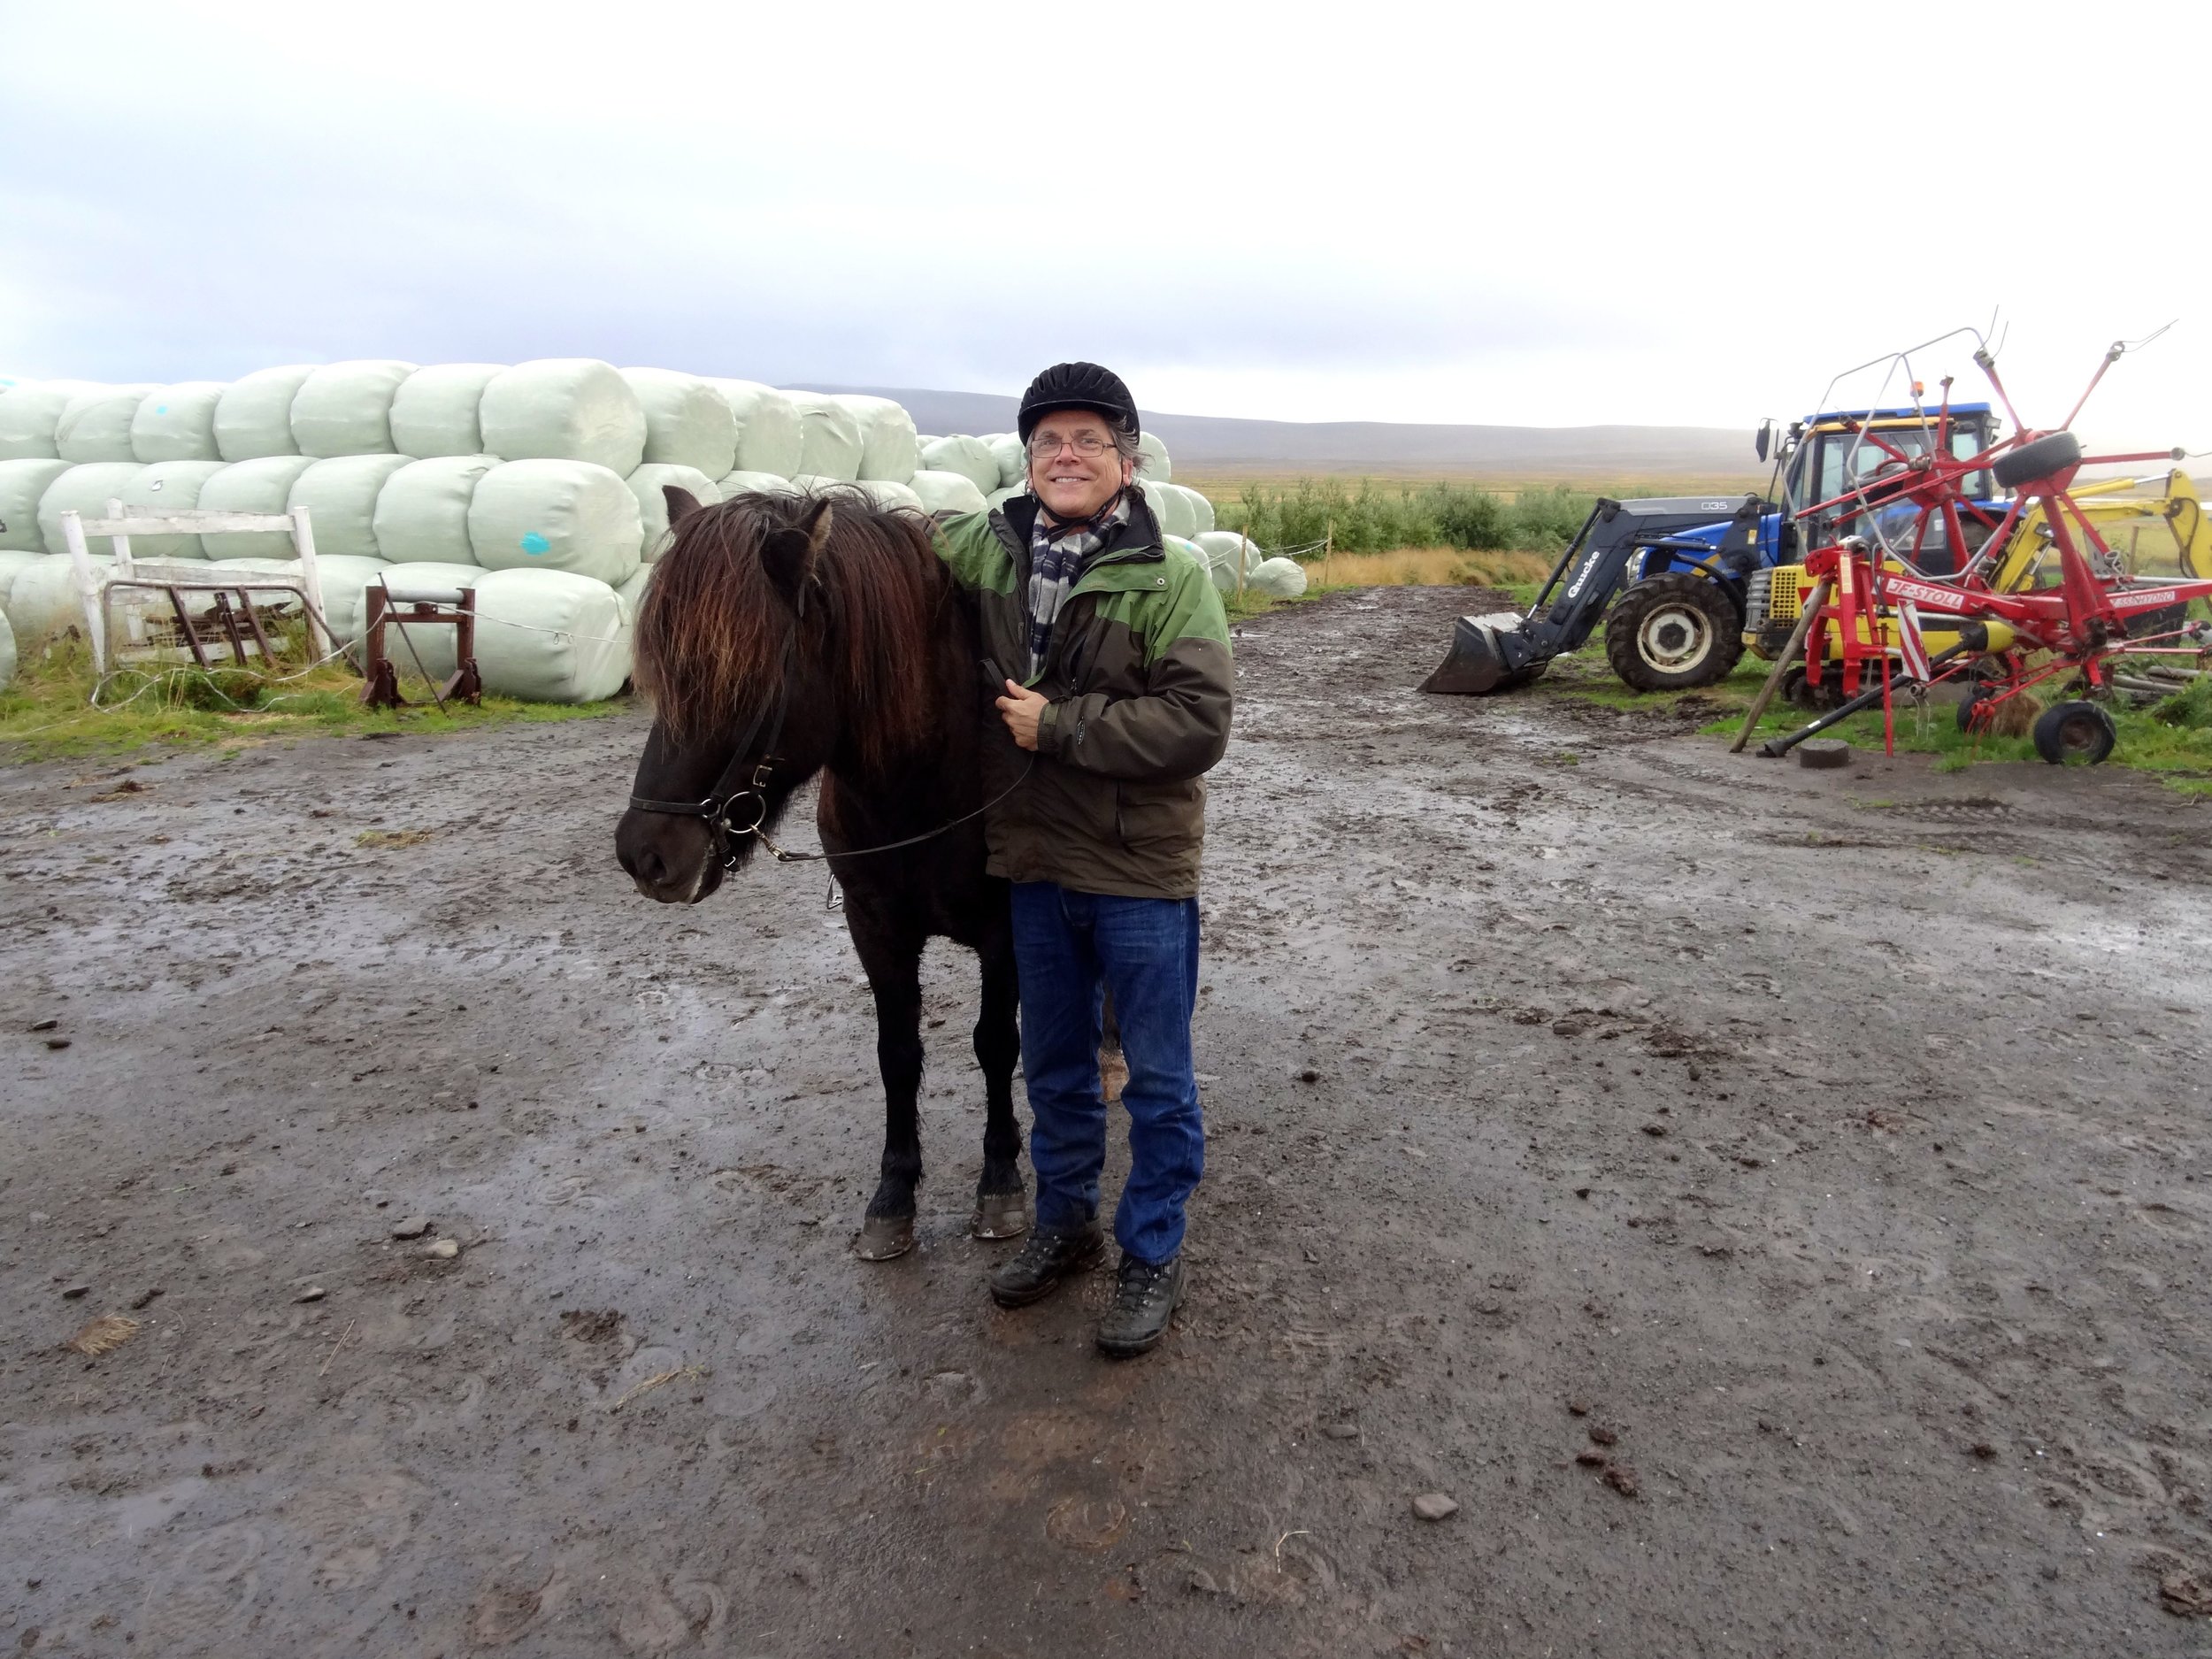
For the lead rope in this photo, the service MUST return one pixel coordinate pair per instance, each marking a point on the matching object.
(783, 856)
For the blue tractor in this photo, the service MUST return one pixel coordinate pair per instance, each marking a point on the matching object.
(1675, 578)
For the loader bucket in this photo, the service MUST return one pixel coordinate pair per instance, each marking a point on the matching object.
(1489, 653)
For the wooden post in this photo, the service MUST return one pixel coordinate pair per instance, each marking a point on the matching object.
(311, 585)
(1810, 610)
(87, 587)
(1328, 547)
(1244, 550)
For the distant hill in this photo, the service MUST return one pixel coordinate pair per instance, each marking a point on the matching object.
(1211, 444)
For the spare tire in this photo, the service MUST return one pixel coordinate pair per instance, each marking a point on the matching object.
(2052, 453)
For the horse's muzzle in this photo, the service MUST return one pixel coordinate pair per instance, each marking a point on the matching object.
(672, 859)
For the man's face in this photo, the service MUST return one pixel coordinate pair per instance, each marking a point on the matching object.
(1071, 483)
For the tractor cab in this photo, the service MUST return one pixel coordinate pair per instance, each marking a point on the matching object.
(1850, 462)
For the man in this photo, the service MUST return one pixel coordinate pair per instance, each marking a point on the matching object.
(1110, 653)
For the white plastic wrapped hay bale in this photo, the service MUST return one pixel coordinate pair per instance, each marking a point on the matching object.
(88, 489)
(998, 498)
(345, 581)
(261, 485)
(889, 451)
(346, 408)
(433, 412)
(168, 487)
(422, 511)
(96, 426)
(7, 653)
(632, 594)
(29, 412)
(970, 458)
(947, 491)
(650, 484)
(1223, 549)
(253, 418)
(688, 422)
(753, 483)
(884, 493)
(551, 636)
(1202, 510)
(22, 483)
(340, 495)
(768, 436)
(1278, 578)
(829, 438)
(1173, 512)
(563, 409)
(1156, 464)
(13, 564)
(557, 515)
(43, 601)
(1013, 460)
(177, 423)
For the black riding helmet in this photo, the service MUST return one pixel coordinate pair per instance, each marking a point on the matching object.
(1077, 385)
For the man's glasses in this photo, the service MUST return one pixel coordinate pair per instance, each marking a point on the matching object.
(1089, 445)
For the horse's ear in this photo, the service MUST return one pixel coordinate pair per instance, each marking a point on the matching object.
(681, 503)
(789, 556)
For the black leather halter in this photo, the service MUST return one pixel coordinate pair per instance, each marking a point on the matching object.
(726, 802)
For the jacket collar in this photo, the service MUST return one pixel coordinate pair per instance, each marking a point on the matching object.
(1135, 540)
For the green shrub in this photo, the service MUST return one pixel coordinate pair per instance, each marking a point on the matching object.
(1378, 518)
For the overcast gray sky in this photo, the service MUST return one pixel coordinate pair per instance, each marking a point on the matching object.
(1542, 214)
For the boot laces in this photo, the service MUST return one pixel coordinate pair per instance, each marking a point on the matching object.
(1137, 1282)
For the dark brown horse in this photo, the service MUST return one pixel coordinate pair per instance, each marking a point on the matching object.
(784, 636)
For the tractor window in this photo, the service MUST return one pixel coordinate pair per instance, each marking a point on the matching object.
(1848, 460)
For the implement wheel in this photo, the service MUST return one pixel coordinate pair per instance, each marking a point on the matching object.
(2075, 733)
(1673, 632)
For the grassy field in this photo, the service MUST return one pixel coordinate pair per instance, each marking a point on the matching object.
(1226, 484)
(47, 713)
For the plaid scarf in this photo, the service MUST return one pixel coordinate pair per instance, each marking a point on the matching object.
(1057, 554)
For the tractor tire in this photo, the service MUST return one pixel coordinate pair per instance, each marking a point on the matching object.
(1673, 632)
(2052, 453)
(2075, 733)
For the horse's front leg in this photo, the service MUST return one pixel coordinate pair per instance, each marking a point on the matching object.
(892, 960)
(1001, 1206)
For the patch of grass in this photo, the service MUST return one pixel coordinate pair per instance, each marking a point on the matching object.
(47, 711)
(2148, 741)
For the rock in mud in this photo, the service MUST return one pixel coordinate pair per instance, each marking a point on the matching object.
(412, 1227)
(1434, 1506)
(443, 1250)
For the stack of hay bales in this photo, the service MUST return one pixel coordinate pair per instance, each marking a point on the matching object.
(540, 484)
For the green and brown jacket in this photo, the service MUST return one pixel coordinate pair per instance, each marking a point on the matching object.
(1139, 680)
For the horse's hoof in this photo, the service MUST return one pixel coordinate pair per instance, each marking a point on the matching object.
(884, 1238)
(1001, 1216)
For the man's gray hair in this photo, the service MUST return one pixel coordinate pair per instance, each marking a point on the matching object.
(1126, 443)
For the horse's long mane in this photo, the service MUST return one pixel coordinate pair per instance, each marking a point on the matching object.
(711, 634)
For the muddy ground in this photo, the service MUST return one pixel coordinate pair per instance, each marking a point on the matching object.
(1771, 1204)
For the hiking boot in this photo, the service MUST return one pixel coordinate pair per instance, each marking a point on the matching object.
(1145, 1299)
(1045, 1259)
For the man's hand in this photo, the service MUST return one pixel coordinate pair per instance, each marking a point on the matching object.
(1021, 709)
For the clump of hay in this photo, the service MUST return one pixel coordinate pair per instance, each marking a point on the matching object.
(109, 1331)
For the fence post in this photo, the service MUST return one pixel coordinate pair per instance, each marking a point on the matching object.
(1328, 546)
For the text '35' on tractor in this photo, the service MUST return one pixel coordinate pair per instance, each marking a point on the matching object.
(1674, 582)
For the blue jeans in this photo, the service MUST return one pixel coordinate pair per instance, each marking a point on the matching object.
(1073, 947)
